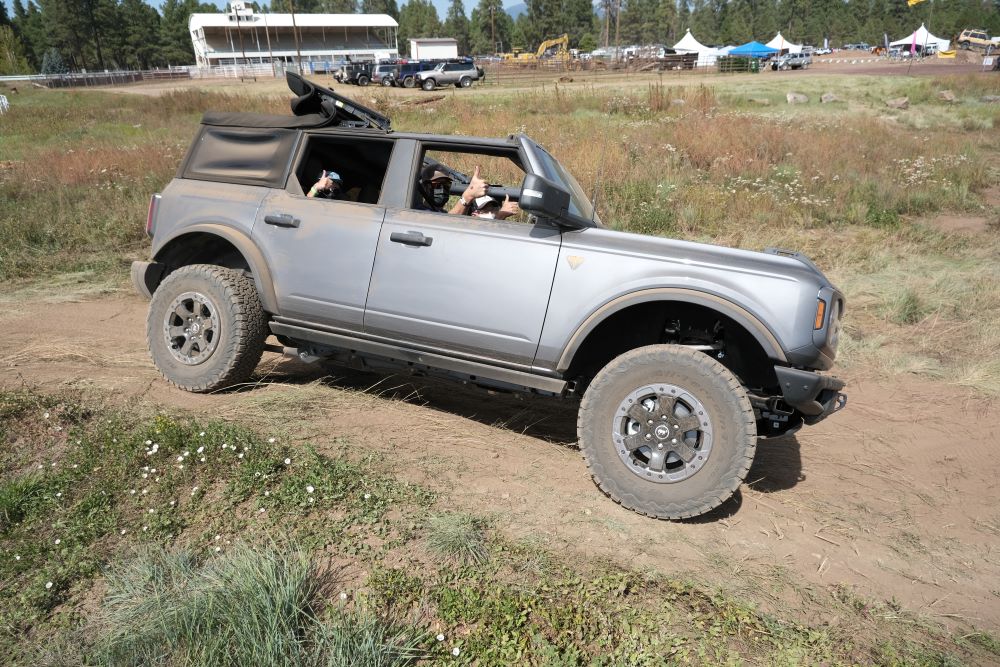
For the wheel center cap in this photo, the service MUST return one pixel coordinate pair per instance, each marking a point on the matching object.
(195, 328)
(662, 432)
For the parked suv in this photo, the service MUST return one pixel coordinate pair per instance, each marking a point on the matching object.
(679, 355)
(359, 74)
(408, 71)
(461, 74)
(791, 61)
(385, 75)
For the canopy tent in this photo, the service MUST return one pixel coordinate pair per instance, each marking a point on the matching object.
(780, 43)
(753, 49)
(921, 36)
(706, 54)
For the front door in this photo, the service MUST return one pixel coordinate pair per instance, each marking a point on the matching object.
(462, 284)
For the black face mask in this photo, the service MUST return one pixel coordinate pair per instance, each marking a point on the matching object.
(440, 195)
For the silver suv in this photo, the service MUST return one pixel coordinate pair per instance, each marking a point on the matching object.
(679, 355)
(460, 74)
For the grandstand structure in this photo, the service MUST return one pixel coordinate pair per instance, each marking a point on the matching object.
(243, 37)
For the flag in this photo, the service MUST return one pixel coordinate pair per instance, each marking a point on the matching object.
(910, 3)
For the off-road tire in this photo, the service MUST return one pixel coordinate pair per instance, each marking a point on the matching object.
(429, 84)
(242, 327)
(734, 438)
(409, 82)
(465, 82)
(386, 81)
(363, 80)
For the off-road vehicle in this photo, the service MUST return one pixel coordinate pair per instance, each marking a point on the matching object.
(679, 355)
(973, 38)
(459, 74)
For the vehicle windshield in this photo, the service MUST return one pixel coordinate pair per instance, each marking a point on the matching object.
(549, 167)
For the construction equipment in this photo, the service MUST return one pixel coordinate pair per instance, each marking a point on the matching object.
(551, 49)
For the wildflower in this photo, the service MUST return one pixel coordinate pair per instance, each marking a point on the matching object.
(149, 442)
(203, 459)
(48, 585)
(271, 440)
(152, 511)
(240, 455)
(200, 450)
(440, 638)
(218, 537)
(58, 540)
(132, 492)
(310, 488)
(145, 491)
(75, 466)
(218, 549)
(171, 503)
(46, 415)
(201, 435)
(267, 493)
(123, 531)
(194, 490)
(367, 496)
(180, 458)
(59, 495)
(455, 651)
(39, 466)
(288, 462)
(145, 475)
(145, 528)
(343, 595)
(261, 510)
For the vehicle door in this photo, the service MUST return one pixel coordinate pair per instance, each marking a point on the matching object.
(462, 284)
(320, 251)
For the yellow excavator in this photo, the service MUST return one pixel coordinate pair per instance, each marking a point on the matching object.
(551, 49)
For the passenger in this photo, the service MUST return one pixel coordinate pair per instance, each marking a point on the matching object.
(435, 186)
(329, 186)
(488, 207)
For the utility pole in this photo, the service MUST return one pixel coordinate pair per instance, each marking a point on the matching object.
(295, 33)
(493, 29)
(618, 15)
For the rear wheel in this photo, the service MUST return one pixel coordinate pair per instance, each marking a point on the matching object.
(206, 327)
(667, 431)
(465, 82)
(363, 80)
(429, 84)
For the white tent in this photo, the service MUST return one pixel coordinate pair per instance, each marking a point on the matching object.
(922, 36)
(781, 44)
(706, 54)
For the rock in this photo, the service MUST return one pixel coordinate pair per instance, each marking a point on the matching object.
(797, 98)
(947, 96)
(898, 103)
(990, 99)
(829, 98)
(762, 101)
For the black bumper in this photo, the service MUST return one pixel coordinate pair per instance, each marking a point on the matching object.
(815, 396)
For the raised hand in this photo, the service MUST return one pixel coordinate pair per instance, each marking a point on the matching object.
(476, 188)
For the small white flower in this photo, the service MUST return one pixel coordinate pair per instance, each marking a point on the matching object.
(310, 498)
(172, 503)
(343, 596)
(187, 454)
(149, 442)
(201, 435)
(267, 493)
(224, 445)
(145, 475)
(59, 495)
(153, 470)
(218, 549)
(440, 638)
(39, 466)
(152, 511)
(75, 466)
(46, 415)
(203, 459)
(367, 496)
(48, 584)
(123, 531)
(200, 449)
(145, 491)
(58, 540)
(271, 440)
(455, 651)
(145, 528)
(180, 467)
(288, 462)
(132, 492)
(180, 458)
(310, 488)
(240, 455)
(261, 510)
(17, 558)
(218, 537)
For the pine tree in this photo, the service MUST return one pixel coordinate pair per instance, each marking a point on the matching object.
(12, 60)
(52, 63)
(456, 25)
(418, 18)
(490, 28)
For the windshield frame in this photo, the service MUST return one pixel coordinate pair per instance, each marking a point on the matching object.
(544, 164)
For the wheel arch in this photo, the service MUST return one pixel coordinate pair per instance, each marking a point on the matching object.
(639, 306)
(211, 243)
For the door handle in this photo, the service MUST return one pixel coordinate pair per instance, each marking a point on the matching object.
(282, 220)
(410, 238)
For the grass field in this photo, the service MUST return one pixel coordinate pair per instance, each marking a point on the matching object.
(131, 536)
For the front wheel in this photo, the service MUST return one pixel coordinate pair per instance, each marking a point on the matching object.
(409, 82)
(386, 82)
(667, 431)
(429, 84)
(206, 327)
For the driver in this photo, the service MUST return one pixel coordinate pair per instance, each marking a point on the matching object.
(435, 187)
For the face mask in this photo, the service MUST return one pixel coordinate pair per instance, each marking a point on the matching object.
(440, 195)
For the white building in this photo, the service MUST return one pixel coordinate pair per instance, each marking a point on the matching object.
(241, 36)
(428, 48)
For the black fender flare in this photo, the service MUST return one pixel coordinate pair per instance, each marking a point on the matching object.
(740, 315)
(246, 247)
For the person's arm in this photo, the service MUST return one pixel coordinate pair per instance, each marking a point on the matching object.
(476, 188)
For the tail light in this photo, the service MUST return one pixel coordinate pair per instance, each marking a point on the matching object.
(154, 204)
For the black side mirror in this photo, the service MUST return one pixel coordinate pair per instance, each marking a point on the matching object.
(541, 196)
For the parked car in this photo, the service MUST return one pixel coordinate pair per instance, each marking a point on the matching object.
(359, 74)
(385, 74)
(407, 76)
(461, 74)
(680, 354)
(791, 61)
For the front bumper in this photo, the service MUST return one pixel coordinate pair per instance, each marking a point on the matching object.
(815, 396)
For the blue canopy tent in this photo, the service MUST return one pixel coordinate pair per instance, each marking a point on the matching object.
(753, 50)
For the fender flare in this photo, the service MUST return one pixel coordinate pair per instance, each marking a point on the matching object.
(740, 315)
(246, 247)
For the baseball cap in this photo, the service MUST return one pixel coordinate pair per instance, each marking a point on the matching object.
(432, 173)
(484, 201)
(334, 176)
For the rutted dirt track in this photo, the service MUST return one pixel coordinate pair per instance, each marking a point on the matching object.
(896, 497)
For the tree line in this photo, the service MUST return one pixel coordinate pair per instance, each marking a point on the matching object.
(54, 36)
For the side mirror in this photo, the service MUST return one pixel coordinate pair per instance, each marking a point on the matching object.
(541, 196)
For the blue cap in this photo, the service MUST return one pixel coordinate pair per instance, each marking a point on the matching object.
(334, 176)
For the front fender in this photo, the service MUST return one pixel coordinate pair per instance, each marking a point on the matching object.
(751, 323)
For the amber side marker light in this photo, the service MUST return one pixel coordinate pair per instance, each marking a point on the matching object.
(820, 312)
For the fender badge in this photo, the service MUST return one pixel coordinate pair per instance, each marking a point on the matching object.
(574, 261)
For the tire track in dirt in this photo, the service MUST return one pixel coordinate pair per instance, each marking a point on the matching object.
(894, 498)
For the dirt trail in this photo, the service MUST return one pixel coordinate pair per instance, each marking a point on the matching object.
(896, 497)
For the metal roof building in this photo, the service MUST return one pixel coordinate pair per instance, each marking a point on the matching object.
(245, 37)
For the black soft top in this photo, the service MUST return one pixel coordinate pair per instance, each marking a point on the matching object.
(314, 106)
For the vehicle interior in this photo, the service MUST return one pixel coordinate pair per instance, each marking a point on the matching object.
(500, 168)
(362, 165)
